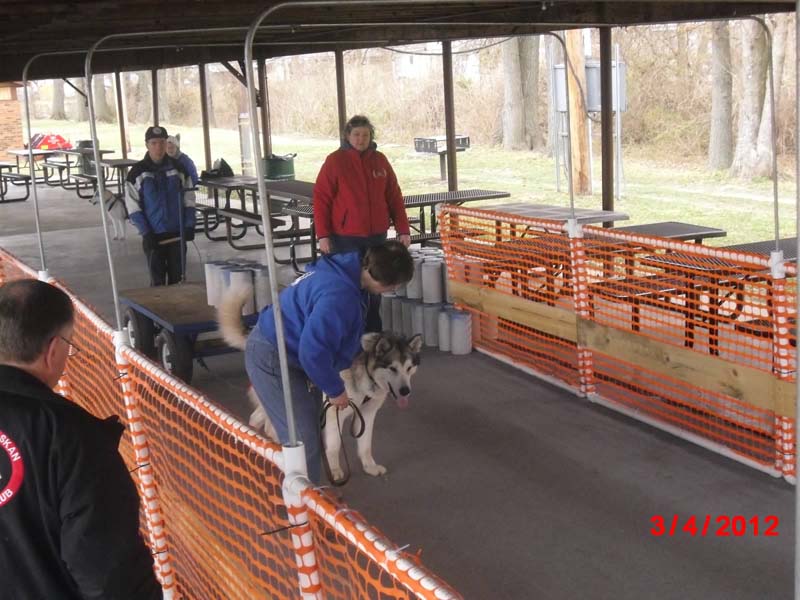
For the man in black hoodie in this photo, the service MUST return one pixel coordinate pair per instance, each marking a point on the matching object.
(69, 511)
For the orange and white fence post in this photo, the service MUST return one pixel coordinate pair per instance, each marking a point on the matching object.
(294, 483)
(782, 364)
(580, 295)
(144, 472)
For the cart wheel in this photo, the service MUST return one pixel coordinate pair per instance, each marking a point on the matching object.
(141, 331)
(175, 355)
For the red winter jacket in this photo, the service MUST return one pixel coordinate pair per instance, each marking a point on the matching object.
(356, 194)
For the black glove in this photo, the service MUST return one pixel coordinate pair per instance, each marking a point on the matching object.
(149, 242)
(188, 235)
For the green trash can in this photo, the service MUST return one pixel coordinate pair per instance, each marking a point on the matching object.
(279, 167)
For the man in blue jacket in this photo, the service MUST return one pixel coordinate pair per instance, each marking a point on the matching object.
(324, 313)
(159, 197)
(69, 511)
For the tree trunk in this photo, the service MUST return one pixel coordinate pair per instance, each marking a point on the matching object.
(102, 111)
(58, 112)
(764, 143)
(753, 76)
(513, 110)
(144, 98)
(164, 113)
(553, 57)
(82, 111)
(529, 65)
(579, 140)
(720, 145)
(212, 121)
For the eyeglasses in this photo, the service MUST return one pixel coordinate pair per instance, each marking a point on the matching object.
(73, 349)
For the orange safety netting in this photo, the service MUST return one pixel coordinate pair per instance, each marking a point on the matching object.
(698, 340)
(219, 493)
(213, 504)
(357, 561)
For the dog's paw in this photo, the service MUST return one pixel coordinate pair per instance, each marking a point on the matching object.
(337, 473)
(375, 470)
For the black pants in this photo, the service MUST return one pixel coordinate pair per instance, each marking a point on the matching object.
(164, 263)
(374, 322)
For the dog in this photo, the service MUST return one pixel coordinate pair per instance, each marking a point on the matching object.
(383, 368)
(115, 205)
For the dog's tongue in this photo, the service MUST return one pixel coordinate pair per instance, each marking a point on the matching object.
(402, 401)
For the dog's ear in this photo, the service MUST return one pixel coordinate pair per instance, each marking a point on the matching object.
(384, 346)
(415, 343)
(368, 341)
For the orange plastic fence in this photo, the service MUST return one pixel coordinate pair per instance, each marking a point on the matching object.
(357, 561)
(220, 494)
(678, 334)
(212, 493)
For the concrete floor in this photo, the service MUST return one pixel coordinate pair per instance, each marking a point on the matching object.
(512, 488)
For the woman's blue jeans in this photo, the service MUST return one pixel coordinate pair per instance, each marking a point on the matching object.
(263, 368)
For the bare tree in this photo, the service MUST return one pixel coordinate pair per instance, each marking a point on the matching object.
(553, 56)
(720, 146)
(143, 99)
(753, 77)
(529, 64)
(164, 112)
(102, 111)
(763, 166)
(212, 120)
(58, 112)
(513, 109)
(520, 57)
(82, 111)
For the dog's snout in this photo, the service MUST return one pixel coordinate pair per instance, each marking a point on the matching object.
(405, 390)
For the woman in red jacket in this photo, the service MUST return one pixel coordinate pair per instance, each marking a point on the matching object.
(357, 198)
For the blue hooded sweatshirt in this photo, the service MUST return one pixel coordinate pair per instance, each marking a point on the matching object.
(323, 319)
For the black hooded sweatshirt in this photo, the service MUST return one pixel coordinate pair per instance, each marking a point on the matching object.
(69, 511)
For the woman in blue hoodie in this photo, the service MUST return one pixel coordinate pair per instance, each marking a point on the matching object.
(324, 314)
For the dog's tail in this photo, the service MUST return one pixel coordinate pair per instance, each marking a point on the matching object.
(229, 317)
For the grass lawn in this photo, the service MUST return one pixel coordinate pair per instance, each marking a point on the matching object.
(653, 190)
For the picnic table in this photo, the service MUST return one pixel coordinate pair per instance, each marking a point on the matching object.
(675, 230)
(787, 245)
(421, 201)
(553, 212)
(23, 153)
(71, 174)
(120, 167)
(651, 290)
(718, 282)
(280, 194)
(538, 260)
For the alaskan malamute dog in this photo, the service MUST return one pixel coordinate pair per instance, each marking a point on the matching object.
(115, 205)
(384, 368)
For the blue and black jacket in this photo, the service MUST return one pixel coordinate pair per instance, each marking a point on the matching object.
(323, 319)
(154, 194)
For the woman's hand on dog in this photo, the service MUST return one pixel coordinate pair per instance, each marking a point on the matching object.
(340, 401)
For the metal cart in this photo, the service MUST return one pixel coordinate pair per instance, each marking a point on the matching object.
(164, 323)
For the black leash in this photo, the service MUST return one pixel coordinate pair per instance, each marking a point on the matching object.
(323, 419)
